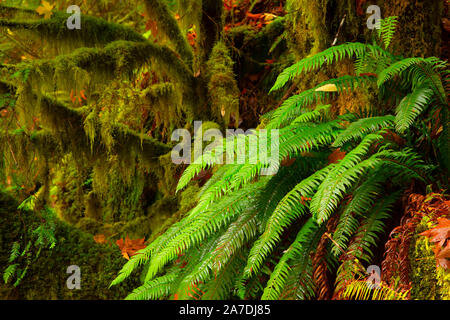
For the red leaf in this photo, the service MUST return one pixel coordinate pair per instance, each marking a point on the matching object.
(440, 235)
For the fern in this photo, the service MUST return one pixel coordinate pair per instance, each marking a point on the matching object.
(363, 198)
(155, 289)
(291, 207)
(9, 272)
(328, 56)
(280, 274)
(411, 107)
(360, 128)
(361, 290)
(387, 30)
(242, 221)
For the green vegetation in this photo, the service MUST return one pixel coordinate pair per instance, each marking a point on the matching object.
(86, 175)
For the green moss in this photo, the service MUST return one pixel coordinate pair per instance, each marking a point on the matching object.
(222, 85)
(420, 20)
(159, 11)
(46, 278)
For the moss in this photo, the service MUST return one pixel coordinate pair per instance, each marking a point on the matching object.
(93, 32)
(222, 85)
(87, 67)
(429, 282)
(46, 278)
(159, 11)
(419, 26)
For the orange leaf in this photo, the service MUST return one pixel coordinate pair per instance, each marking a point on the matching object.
(82, 94)
(45, 9)
(129, 247)
(254, 16)
(335, 156)
(100, 238)
(440, 235)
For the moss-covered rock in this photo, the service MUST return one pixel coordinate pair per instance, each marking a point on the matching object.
(47, 274)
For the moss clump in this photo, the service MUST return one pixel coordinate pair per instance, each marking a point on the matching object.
(159, 11)
(93, 32)
(46, 277)
(428, 281)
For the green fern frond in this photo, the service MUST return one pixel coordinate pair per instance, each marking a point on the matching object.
(206, 223)
(294, 106)
(362, 199)
(223, 283)
(291, 207)
(411, 107)
(155, 289)
(343, 175)
(282, 269)
(362, 290)
(15, 252)
(328, 56)
(311, 115)
(399, 67)
(294, 142)
(371, 228)
(9, 272)
(387, 29)
(234, 238)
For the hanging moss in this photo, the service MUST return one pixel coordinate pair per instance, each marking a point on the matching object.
(93, 32)
(67, 124)
(222, 85)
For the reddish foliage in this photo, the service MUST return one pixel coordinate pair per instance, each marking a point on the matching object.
(396, 260)
(359, 7)
(100, 238)
(320, 265)
(440, 235)
(335, 156)
(129, 247)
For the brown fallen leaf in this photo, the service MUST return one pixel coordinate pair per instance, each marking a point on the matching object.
(444, 256)
(129, 247)
(440, 235)
(100, 238)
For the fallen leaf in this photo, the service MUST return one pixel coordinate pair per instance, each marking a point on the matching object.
(100, 238)
(129, 247)
(335, 156)
(440, 233)
(328, 88)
